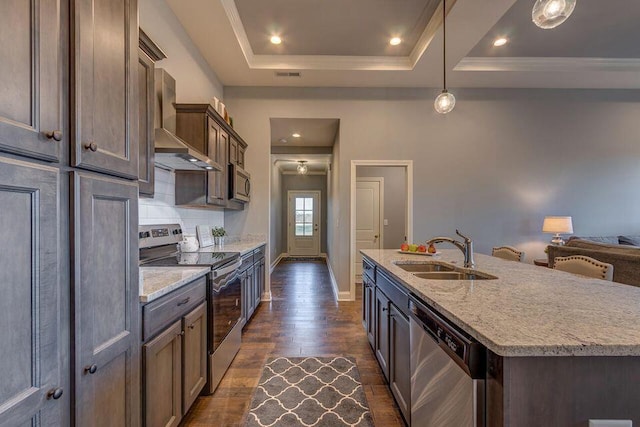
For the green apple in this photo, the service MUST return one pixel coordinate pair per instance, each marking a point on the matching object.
(413, 247)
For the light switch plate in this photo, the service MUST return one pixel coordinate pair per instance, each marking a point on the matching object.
(610, 423)
(386, 221)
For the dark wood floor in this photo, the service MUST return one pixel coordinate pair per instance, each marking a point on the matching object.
(303, 319)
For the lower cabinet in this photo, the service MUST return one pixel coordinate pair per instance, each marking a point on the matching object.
(252, 276)
(175, 358)
(384, 317)
(399, 355)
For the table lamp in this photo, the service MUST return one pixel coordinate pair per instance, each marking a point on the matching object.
(556, 225)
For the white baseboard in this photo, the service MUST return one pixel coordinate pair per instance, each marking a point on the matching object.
(277, 261)
(340, 296)
(266, 296)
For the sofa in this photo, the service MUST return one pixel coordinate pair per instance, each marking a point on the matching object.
(623, 252)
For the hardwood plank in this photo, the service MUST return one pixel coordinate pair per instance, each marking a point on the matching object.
(303, 319)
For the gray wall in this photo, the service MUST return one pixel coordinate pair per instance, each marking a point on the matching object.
(395, 201)
(494, 167)
(275, 231)
(304, 183)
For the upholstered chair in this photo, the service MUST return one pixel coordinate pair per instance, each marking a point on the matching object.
(508, 252)
(585, 266)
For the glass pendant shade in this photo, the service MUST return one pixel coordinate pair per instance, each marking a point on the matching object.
(302, 168)
(445, 102)
(551, 13)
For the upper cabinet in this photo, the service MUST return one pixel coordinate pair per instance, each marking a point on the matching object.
(148, 54)
(31, 119)
(105, 86)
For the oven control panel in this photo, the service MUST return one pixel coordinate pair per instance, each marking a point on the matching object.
(158, 235)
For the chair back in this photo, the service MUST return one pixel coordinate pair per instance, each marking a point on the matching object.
(508, 252)
(585, 266)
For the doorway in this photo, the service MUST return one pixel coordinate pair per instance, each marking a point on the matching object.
(369, 217)
(303, 225)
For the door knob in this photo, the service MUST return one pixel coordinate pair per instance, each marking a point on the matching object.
(376, 236)
(91, 146)
(90, 369)
(55, 393)
(56, 135)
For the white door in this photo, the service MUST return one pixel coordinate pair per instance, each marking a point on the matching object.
(304, 223)
(368, 207)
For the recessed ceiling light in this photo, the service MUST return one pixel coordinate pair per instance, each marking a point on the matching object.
(296, 135)
(500, 42)
(395, 41)
(283, 140)
(276, 40)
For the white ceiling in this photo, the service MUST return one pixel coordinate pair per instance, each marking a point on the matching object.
(217, 29)
(313, 132)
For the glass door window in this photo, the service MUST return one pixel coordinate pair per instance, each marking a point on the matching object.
(304, 216)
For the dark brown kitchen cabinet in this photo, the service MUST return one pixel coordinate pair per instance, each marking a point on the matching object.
(217, 180)
(381, 331)
(31, 372)
(399, 352)
(148, 54)
(163, 378)
(105, 86)
(105, 297)
(195, 354)
(31, 72)
(368, 309)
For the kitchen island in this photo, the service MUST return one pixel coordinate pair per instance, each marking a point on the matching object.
(561, 349)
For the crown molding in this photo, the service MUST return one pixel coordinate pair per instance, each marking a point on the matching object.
(331, 62)
(547, 64)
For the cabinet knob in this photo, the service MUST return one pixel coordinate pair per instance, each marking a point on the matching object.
(384, 309)
(90, 369)
(91, 146)
(54, 134)
(55, 393)
(181, 333)
(184, 301)
(192, 326)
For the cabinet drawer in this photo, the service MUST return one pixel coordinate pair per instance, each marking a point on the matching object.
(369, 269)
(247, 261)
(394, 292)
(258, 253)
(158, 314)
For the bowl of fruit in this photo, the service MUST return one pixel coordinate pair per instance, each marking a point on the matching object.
(416, 249)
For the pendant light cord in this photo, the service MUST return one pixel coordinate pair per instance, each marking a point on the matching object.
(444, 43)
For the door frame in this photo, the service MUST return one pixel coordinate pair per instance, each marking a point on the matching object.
(380, 181)
(289, 228)
(408, 165)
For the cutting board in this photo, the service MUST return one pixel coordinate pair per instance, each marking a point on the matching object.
(204, 235)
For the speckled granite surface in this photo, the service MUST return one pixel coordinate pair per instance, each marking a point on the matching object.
(242, 246)
(529, 310)
(158, 281)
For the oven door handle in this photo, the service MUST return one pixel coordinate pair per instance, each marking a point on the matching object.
(226, 270)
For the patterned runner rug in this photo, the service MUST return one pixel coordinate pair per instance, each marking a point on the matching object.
(309, 391)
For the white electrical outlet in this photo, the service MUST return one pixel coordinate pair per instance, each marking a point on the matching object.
(610, 423)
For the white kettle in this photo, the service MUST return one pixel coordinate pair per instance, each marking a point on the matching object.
(188, 244)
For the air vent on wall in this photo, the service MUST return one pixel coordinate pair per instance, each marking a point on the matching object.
(288, 74)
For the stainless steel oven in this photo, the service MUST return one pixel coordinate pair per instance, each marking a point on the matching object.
(239, 184)
(226, 302)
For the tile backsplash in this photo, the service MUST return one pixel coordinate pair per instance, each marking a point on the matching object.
(162, 209)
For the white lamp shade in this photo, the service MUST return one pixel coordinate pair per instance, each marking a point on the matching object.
(557, 224)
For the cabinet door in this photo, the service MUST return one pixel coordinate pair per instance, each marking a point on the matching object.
(233, 151)
(194, 355)
(105, 85)
(250, 291)
(244, 297)
(215, 190)
(257, 273)
(31, 351)
(146, 147)
(241, 151)
(31, 119)
(163, 378)
(368, 309)
(106, 301)
(399, 363)
(381, 331)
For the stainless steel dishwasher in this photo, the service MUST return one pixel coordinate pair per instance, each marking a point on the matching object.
(447, 372)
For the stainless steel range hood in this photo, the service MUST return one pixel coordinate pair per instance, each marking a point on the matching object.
(172, 152)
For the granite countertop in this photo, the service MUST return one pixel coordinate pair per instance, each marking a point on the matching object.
(158, 281)
(528, 310)
(241, 246)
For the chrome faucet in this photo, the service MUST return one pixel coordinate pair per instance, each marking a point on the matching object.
(466, 247)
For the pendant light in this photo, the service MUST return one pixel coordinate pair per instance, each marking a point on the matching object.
(551, 13)
(445, 101)
(302, 167)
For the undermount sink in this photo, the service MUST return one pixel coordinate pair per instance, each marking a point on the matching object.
(454, 275)
(424, 267)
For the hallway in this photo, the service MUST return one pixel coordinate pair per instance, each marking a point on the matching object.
(303, 319)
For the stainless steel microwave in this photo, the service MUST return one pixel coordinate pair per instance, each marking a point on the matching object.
(239, 184)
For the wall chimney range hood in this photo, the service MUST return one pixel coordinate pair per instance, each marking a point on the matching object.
(171, 152)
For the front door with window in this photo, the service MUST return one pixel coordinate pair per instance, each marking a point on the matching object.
(304, 223)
